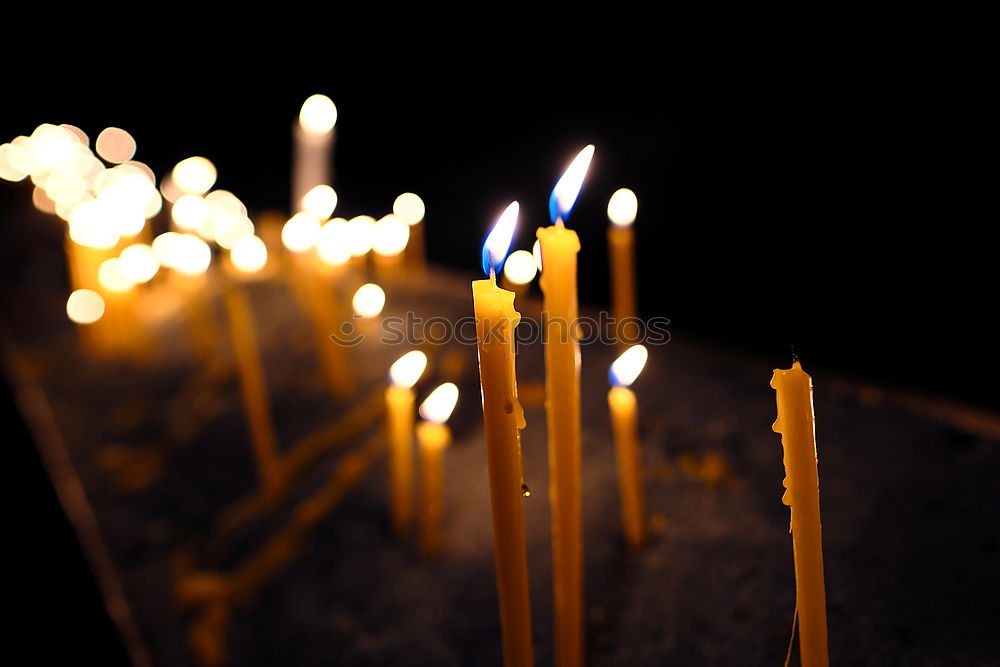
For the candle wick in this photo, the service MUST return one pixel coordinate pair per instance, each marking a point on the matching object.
(559, 222)
(493, 276)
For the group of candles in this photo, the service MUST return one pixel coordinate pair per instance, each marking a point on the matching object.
(110, 253)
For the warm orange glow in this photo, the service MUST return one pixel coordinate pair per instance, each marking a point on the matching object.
(390, 236)
(115, 145)
(520, 267)
(333, 245)
(85, 306)
(222, 202)
(568, 186)
(190, 212)
(438, 406)
(89, 227)
(406, 370)
(52, 147)
(10, 171)
(409, 208)
(169, 189)
(360, 234)
(138, 263)
(110, 275)
(249, 254)
(498, 240)
(622, 207)
(300, 233)
(188, 254)
(626, 368)
(194, 175)
(318, 115)
(369, 300)
(228, 229)
(319, 202)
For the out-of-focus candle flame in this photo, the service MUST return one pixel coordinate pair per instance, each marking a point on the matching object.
(333, 245)
(360, 234)
(369, 300)
(229, 228)
(409, 208)
(498, 241)
(318, 114)
(626, 368)
(390, 236)
(319, 202)
(89, 227)
(110, 275)
(406, 370)
(190, 212)
(622, 207)
(189, 254)
(249, 254)
(162, 247)
(115, 145)
(138, 263)
(52, 147)
(9, 169)
(520, 267)
(568, 186)
(194, 175)
(438, 406)
(536, 252)
(300, 232)
(85, 306)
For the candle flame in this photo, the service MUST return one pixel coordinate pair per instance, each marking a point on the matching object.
(520, 268)
(408, 368)
(318, 114)
(627, 367)
(622, 207)
(568, 186)
(248, 254)
(498, 241)
(85, 306)
(369, 300)
(438, 406)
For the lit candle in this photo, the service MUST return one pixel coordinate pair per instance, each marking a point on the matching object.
(625, 427)
(796, 423)
(389, 240)
(312, 147)
(368, 303)
(409, 208)
(559, 247)
(622, 208)
(190, 257)
(400, 416)
(301, 236)
(433, 437)
(503, 419)
(253, 389)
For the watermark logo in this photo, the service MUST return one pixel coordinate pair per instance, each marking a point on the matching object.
(414, 330)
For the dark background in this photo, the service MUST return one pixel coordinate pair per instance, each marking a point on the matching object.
(829, 203)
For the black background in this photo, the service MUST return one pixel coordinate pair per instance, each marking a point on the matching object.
(828, 201)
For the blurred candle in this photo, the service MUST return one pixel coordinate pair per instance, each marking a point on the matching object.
(409, 208)
(433, 437)
(312, 147)
(625, 428)
(622, 209)
(559, 247)
(400, 416)
(253, 389)
(503, 419)
(796, 423)
(389, 239)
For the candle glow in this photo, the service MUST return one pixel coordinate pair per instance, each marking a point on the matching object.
(85, 306)
(567, 188)
(520, 267)
(626, 368)
(194, 175)
(333, 244)
(409, 208)
(622, 207)
(320, 202)
(318, 114)
(369, 300)
(390, 236)
(406, 371)
(249, 254)
(138, 263)
(440, 403)
(497, 243)
(300, 232)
